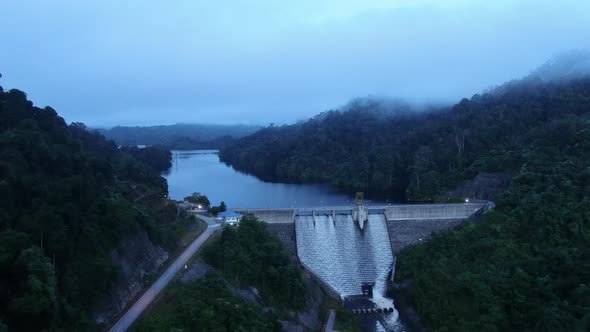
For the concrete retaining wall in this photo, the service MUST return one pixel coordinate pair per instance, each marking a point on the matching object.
(285, 232)
(432, 211)
(270, 215)
(404, 233)
(392, 212)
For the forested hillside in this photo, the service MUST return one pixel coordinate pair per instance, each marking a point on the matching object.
(243, 256)
(524, 266)
(396, 153)
(158, 157)
(67, 197)
(206, 305)
(250, 256)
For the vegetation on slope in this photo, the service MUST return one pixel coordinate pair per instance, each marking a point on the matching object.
(250, 256)
(205, 305)
(158, 157)
(389, 152)
(247, 255)
(67, 197)
(525, 266)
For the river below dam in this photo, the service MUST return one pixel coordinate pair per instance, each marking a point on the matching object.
(202, 171)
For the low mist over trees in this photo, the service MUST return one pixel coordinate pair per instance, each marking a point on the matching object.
(394, 153)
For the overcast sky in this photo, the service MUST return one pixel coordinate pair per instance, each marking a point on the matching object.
(139, 62)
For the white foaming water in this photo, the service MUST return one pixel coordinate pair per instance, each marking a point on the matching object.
(346, 257)
(391, 321)
(330, 249)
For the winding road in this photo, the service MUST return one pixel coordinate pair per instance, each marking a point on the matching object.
(146, 299)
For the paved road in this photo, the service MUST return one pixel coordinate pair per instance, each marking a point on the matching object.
(330, 322)
(210, 221)
(144, 301)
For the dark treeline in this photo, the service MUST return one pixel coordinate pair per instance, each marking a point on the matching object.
(158, 157)
(179, 136)
(67, 197)
(403, 155)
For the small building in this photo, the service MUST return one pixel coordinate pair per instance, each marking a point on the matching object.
(230, 217)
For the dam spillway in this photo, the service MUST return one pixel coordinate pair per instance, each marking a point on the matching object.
(345, 257)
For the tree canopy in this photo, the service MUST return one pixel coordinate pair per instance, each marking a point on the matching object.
(67, 197)
(523, 267)
(250, 256)
(394, 152)
(206, 305)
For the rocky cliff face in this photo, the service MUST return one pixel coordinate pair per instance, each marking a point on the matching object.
(483, 186)
(136, 259)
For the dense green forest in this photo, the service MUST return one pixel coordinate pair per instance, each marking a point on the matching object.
(390, 151)
(205, 305)
(158, 157)
(179, 136)
(67, 197)
(524, 266)
(249, 255)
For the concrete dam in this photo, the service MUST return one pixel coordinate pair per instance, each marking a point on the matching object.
(350, 250)
(407, 224)
(343, 255)
(347, 246)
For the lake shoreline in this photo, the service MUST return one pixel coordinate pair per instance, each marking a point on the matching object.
(202, 171)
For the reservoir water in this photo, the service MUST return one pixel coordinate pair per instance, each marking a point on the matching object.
(201, 171)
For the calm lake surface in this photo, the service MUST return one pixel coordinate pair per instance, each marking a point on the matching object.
(201, 171)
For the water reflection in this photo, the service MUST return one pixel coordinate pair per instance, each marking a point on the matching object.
(201, 171)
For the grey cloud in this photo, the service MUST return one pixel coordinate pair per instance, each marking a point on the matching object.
(138, 62)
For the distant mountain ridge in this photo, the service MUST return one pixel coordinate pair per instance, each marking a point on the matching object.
(178, 136)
